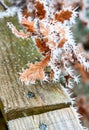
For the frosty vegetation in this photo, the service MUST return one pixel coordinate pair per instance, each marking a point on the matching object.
(50, 27)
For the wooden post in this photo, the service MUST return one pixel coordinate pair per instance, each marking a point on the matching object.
(32, 105)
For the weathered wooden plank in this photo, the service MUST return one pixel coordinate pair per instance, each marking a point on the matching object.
(15, 96)
(63, 119)
(18, 100)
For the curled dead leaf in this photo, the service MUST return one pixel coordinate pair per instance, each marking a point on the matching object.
(62, 42)
(17, 33)
(28, 24)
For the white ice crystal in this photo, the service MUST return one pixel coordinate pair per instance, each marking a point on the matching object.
(53, 28)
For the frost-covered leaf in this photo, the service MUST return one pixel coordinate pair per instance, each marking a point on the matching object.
(35, 71)
(42, 47)
(63, 15)
(28, 24)
(17, 33)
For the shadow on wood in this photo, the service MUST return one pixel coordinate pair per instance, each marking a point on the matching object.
(2, 123)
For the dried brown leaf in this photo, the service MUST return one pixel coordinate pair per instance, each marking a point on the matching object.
(29, 25)
(44, 30)
(63, 15)
(41, 12)
(62, 42)
(20, 33)
(35, 71)
(41, 44)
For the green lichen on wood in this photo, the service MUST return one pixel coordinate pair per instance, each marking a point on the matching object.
(24, 50)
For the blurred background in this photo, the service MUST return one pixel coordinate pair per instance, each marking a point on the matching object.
(81, 35)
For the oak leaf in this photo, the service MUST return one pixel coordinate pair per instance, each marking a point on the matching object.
(17, 33)
(42, 47)
(41, 12)
(63, 15)
(28, 24)
(35, 71)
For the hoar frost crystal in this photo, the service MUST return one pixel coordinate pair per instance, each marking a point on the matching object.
(51, 30)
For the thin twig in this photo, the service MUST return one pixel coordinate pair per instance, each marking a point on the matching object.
(5, 7)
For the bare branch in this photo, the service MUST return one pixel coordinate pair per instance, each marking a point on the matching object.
(5, 7)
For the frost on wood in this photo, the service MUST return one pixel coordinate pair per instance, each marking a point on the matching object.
(50, 29)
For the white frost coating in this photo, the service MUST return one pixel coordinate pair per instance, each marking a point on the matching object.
(62, 55)
(72, 100)
(9, 12)
(77, 116)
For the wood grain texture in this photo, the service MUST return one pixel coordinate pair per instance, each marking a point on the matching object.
(63, 119)
(34, 103)
(14, 95)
